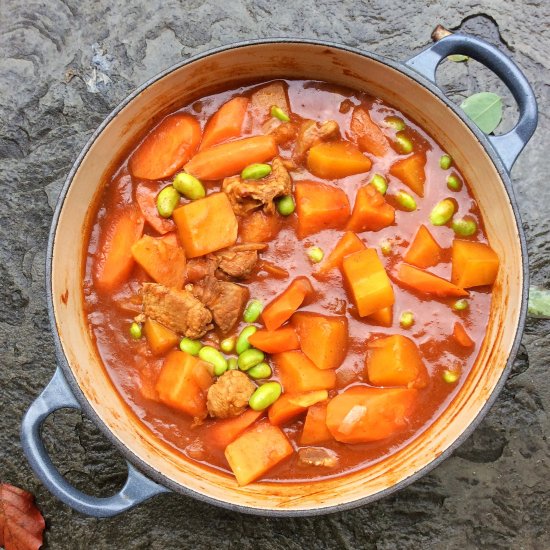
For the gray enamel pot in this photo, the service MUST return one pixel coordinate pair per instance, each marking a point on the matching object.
(81, 381)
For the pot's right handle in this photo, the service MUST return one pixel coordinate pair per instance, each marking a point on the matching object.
(57, 395)
(508, 145)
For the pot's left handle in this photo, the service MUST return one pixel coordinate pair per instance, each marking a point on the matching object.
(58, 395)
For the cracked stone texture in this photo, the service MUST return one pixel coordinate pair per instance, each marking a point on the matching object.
(64, 66)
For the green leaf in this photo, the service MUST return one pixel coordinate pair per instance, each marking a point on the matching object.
(458, 58)
(485, 109)
(539, 303)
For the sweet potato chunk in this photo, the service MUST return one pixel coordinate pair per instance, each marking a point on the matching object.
(258, 227)
(291, 405)
(348, 244)
(224, 432)
(159, 338)
(383, 317)
(424, 250)
(411, 172)
(299, 374)
(336, 159)
(474, 264)
(371, 212)
(275, 341)
(315, 426)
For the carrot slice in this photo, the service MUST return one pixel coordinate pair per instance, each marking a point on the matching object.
(298, 373)
(167, 148)
(223, 432)
(283, 306)
(368, 136)
(290, 405)
(336, 159)
(228, 159)
(315, 426)
(115, 260)
(146, 197)
(159, 338)
(226, 123)
(411, 172)
(275, 341)
(348, 244)
(256, 451)
(462, 337)
(371, 212)
(426, 282)
(424, 250)
(474, 264)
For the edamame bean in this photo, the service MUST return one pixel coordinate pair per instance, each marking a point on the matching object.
(406, 201)
(464, 227)
(407, 319)
(265, 395)
(260, 371)
(135, 331)
(232, 363)
(315, 254)
(454, 183)
(286, 205)
(252, 311)
(395, 122)
(460, 305)
(277, 112)
(445, 162)
(228, 344)
(214, 357)
(250, 358)
(442, 212)
(189, 186)
(404, 143)
(385, 247)
(449, 376)
(242, 340)
(256, 171)
(192, 347)
(379, 183)
(167, 200)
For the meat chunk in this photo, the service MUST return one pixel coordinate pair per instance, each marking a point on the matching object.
(240, 260)
(317, 456)
(312, 133)
(199, 268)
(225, 300)
(246, 196)
(229, 395)
(177, 310)
(283, 132)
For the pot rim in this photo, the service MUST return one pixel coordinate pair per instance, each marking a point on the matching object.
(158, 476)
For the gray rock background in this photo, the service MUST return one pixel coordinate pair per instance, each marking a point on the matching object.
(64, 66)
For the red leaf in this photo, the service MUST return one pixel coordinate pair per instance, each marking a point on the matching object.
(21, 523)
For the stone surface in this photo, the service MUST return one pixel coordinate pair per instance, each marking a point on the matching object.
(64, 66)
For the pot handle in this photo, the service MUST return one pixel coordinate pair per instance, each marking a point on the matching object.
(509, 145)
(57, 395)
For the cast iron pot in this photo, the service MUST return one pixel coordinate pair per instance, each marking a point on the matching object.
(81, 381)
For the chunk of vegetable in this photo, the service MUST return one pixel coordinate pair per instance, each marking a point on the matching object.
(348, 244)
(362, 414)
(371, 212)
(275, 341)
(114, 264)
(368, 135)
(223, 432)
(159, 338)
(462, 337)
(336, 159)
(146, 197)
(291, 405)
(411, 172)
(299, 374)
(226, 123)
(474, 264)
(395, 361)
(283, 306)
(368, 282)
(323, 338)
(228, 159)
(258, 227)
(167, 148)
(315, 426)
(320, 206)
(164, 263)
(256, 451)
(383, 317)
(424, 250)
(265, 97)
(206, 225)
(183, 383)
(427, 283)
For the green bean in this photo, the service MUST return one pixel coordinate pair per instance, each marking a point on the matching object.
(395, 122)
(232, 363)
(277, 112)
(286, 205)
(454, 183)
(442, 212)
(315, 254)
(253, 311)
(192, 347)
(228, 344)
(189, 186)
(450, 376)
(260, 371)
(242, 340)
(256, 171)
(464, 227)
(445, 162)
(404, 143)
(135, 331)
(167, 200)
(406, 201)
(265, 395)
(379, 183)
(407, 319)
(460, 305)
(250, 358)
(385, 247)
(214, 357)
